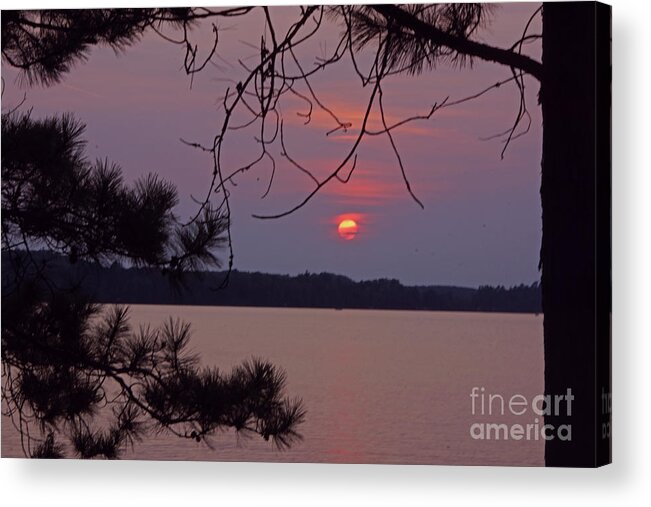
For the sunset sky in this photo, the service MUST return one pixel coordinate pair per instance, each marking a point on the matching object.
(481, 218)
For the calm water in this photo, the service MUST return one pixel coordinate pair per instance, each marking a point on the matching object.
(378, 386)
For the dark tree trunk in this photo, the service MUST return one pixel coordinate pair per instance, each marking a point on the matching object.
(576, 218)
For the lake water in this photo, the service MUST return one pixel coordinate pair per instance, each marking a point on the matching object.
(378, 386)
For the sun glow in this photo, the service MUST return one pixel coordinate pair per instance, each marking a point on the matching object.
(348, 229)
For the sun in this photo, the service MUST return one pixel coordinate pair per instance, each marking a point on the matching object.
(348, 229)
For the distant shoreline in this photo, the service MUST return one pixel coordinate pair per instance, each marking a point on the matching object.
(119, 285)
(324, 308)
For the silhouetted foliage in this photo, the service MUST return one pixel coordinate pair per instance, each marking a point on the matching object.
(53, 196)
(408, 51)
(77, 378)
(46, 44)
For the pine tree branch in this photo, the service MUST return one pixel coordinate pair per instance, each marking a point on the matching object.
(461, 45)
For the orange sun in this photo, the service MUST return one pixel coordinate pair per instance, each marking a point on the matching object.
(347, 229)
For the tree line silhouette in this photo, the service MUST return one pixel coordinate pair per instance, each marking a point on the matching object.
(122, 285)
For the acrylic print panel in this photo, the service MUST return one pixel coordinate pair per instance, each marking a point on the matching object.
(286, 234)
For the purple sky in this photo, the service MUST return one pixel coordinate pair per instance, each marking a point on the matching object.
(481, 222)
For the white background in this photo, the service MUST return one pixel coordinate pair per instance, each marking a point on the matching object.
(626, 482)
